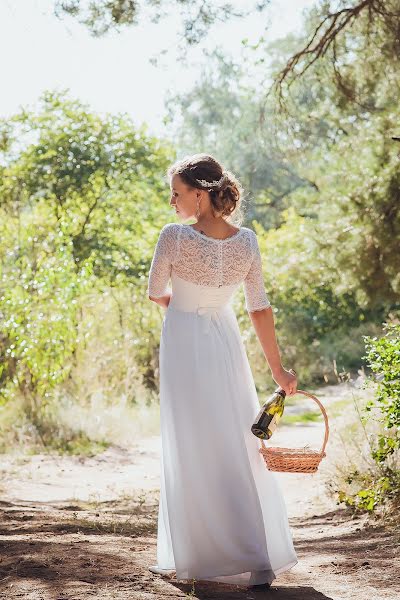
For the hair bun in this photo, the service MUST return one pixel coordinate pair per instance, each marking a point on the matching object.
(224, 181)
(204, 172)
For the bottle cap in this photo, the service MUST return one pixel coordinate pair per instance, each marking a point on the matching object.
(280, 390)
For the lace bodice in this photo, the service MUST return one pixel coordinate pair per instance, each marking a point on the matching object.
(208, 261)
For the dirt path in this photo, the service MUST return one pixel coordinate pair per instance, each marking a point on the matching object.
(76, 528)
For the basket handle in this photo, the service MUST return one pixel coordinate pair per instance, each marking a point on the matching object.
(324, 415)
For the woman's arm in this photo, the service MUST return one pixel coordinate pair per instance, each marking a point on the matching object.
(261, 315)
(160, 269)
(263, 322)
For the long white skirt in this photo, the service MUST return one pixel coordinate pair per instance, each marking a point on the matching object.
(222, 515)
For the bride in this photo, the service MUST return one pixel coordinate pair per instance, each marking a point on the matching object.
(222, 516)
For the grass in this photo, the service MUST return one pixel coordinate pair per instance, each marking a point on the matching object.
(306, 417)
(127, 515)
(114, 526)
(77, 427)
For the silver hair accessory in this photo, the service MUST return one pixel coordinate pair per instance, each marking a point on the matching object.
(212, 184)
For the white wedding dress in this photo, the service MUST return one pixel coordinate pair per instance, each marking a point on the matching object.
(222, 515)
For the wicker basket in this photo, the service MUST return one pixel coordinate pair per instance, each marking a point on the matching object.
(296, 460)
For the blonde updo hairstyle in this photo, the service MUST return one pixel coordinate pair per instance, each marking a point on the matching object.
(226, 198)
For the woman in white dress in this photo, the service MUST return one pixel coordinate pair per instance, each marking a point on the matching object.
(222, 516)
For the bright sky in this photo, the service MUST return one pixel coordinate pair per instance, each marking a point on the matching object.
(113, 73)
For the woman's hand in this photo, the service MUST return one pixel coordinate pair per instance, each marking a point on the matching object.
(287, 380)
(163, 301)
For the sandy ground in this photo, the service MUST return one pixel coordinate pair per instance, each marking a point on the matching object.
(75, 528)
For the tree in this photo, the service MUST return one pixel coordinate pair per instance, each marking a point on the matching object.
(343, 33)
(102, 16)
(80, 198)
(220, 115)
(95, 177)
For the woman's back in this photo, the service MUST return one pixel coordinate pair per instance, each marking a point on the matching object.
(206, 261)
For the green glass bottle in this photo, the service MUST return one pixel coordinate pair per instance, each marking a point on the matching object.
(269, 415)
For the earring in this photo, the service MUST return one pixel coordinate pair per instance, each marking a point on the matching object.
(198, 210)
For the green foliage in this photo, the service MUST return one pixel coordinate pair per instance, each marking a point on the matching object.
(319, 324)
(383, 356)
(358, 227)
(355, 48)
(373, 491)
(41, 293)
(340, 118)
(323, 185)
(97, 182)
(80, 200)
(222, 112)
(103, 16)
(376, 487)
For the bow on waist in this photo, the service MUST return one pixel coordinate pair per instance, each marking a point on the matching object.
(207, 313)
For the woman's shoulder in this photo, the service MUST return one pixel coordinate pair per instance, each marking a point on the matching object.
(247, 230)
(170, 229)
(250, 233)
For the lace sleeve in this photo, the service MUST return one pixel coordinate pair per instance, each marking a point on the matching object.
(164, 255)
(254, 290)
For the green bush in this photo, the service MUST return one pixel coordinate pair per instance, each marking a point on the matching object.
(379, 484)
(383, 356)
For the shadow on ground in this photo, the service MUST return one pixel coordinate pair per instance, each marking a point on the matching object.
(71, 551)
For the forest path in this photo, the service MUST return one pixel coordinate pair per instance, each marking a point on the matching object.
(75, 528)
